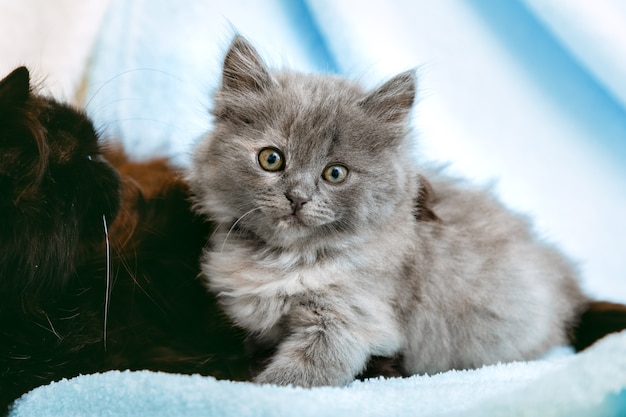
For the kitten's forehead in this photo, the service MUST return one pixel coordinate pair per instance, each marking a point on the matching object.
(313, 111)
(317, 91)
(70, 133)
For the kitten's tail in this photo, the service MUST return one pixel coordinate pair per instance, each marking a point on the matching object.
(598, 320)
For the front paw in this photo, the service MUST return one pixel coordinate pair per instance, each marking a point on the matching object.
(296, 376)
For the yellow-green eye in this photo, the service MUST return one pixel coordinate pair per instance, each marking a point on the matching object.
(271, 159)
(335, 174)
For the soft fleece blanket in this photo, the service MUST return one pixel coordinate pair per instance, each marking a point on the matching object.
(531, 92)
(592, 383)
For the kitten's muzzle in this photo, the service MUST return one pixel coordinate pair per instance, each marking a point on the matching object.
(296, 202)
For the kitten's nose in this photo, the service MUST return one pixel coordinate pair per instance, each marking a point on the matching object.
(297, 201)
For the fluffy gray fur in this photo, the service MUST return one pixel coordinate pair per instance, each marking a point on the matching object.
(394, 261)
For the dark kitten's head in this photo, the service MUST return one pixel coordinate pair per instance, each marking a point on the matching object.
(55, 187)
(296, 158)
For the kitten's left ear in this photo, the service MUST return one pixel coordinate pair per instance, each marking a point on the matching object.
(244, 69)
(392, 101)
(15, 87)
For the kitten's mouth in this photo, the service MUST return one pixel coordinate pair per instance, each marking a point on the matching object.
(292, 220)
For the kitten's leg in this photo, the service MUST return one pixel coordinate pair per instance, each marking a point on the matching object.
(324, 347)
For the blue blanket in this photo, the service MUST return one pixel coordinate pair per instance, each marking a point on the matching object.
(592, 383)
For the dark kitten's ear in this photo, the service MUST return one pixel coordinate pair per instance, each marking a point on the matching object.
(392, 101)
(15, 87)
(244, 69)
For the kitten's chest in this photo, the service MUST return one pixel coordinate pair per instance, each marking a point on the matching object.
(257, 292)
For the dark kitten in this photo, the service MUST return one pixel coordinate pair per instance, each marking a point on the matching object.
(56, 191)
(68, 307)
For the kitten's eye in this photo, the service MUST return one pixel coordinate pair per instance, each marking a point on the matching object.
(271, 159)
(89, 157)
(335, 174)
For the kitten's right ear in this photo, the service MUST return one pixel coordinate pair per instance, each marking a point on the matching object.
(244, 69)
(392, 101)
(15, 87)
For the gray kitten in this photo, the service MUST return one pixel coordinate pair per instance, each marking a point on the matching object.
(334, 246)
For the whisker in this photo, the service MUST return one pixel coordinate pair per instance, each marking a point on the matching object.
(235, 224)
(127, 251)
(110, 80)
(51, 328)
(107, 293)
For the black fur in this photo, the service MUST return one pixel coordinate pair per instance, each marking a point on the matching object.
(55, 189)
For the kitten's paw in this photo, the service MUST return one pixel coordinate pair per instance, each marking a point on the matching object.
(297, 376)
(277, 375)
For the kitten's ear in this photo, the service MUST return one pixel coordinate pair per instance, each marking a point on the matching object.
(244, 69)
(15, 87)
(392, 101)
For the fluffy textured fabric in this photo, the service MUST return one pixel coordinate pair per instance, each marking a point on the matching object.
(592, 383)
